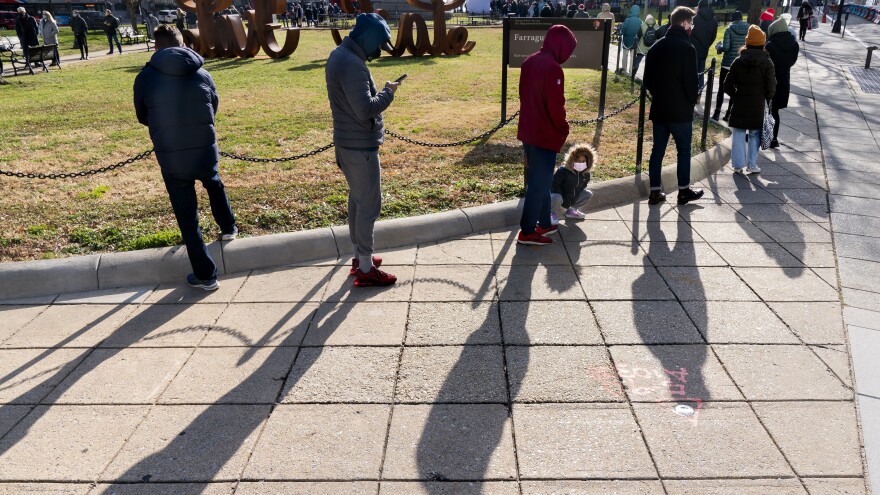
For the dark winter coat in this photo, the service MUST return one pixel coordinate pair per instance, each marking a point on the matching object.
(355, 103)
(547, 10)
(542, 120)
(177, 99)
(671, 77)
(704, 32)
(568, 182)
(110, 24)
(78, 26)
(783, 50)
(734, 39)
(26, 30)
(750, 82)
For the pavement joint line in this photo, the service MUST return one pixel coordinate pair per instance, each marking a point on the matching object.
(146, 405)
(402, 348)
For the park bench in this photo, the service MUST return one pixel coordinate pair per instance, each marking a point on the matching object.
(130, 36)
(7, 45)
(37, 55)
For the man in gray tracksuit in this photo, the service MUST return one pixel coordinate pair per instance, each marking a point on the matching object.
(358, 132)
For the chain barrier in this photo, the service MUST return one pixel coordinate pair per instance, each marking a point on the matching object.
(456, 143)
(276, 160)
(84, 173)
(606, 116)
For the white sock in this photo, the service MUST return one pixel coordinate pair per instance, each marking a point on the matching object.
(366, 263)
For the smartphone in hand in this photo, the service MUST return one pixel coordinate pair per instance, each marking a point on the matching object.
(400, 79)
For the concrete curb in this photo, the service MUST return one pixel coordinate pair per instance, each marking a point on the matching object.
(152, 266)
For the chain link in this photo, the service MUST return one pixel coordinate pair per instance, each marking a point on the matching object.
(84, 173)
(276, 160)
(456, 143)
(606, 116)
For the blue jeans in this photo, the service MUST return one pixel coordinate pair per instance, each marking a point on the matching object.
(536, 208)
(681, 132)
(745, 140)
(182, 192)
(111, 37)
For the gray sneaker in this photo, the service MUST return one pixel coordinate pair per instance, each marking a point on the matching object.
(231, 236)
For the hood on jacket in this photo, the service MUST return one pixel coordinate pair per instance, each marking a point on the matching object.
(740, 27)
(706, 13)
(176, 61)
(581, 149)
(649, 20)
(779, 26)
(560, 42)
(753, 55)
(634, 11)
(371, 33)
(736, 16)
(606, 7)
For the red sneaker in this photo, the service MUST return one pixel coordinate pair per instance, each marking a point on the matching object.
(548, 231)
(375, 278)
(356, 263)
(533, 239)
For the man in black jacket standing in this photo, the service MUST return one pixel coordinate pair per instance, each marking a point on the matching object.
(80, 34)
(671, 78)
(176, 98)
(26, 30)
(703, 35)
(111, 23)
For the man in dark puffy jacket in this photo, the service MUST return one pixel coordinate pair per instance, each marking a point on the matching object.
(80, 34)
(26, 30)
(358, 132)
(111, 23)
(176, 98)
(734, 39)
(703, 35)
(671, 78)
(543, 129)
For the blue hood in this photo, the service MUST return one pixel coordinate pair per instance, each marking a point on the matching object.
(370, 32)
(176, 61)
(634, 11)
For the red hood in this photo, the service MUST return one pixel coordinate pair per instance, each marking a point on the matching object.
(560, 42)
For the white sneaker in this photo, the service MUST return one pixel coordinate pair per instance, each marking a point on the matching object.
(740, 171)
(575, 214)
(554, 219)
(754, 170)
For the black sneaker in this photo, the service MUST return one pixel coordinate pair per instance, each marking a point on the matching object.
(656, 197)
(774, 144)
(726, 117)
(202, 284)
(685, 196)
(715, 116)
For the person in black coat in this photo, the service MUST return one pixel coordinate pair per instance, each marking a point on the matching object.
(176, 98)
(26, 30)
(671, 78)
(111, 23)
(703, 35)
(804, 16)
(80, 34)
(751, 83)
(783, 50)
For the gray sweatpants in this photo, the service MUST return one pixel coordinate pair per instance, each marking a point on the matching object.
(581, 200)
(361, 169)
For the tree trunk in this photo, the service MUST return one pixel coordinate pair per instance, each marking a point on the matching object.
(755, 12)
(132, 12)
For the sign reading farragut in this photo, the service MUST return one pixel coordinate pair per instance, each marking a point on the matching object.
(525, 36)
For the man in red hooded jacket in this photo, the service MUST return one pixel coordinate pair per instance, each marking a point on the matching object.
(542, 129)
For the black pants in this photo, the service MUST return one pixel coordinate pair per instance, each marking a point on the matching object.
(182, 192)
(719, 100)
(83, 42)
(774, 111)
(804, 24)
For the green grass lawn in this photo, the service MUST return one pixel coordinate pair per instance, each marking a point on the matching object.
(82, 117)
(97, 40)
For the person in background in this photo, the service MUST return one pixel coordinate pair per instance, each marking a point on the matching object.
(181, 20)
(767, 18)
(751, 83)
(646, 40)
(671, 78)
(804, 17)
(606, 13)
(734, 39)
(703, 35)
(152, 23)
(80, 34)
(783, 50)
(49, 28)
(111, 23)
(581, 13)
(543, 129)
(177, 99)
(629, 37)
(26, 30)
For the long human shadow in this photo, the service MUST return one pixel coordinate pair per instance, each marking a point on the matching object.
(682, 364)
(442, 437)
(206, 456)
(131, 331)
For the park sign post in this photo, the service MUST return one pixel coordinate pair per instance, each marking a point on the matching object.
(524, 36)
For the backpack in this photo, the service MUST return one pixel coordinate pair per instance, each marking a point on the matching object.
(650, 35)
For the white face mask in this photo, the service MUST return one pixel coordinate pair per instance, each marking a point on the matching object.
(580, 166)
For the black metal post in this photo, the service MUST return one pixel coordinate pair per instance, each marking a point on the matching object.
(604, 84)
(640, 135)
(837, 20)
(619, 48)
(504, 61)
(845, 22)
(632, 67)
(868, 60)
(707, 107)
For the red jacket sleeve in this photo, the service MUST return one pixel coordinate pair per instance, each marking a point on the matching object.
(554, 85)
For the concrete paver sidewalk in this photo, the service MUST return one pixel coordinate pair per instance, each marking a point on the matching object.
(694, 349)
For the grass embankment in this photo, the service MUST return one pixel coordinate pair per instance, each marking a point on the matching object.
(82, 118)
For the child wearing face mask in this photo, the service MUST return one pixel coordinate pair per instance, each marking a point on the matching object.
(569, 187)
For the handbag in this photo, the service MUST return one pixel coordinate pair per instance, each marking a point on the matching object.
(767, 127)
(814, 23)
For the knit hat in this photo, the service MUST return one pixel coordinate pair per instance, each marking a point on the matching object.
(756, 37)
(767, 15)
(778, 26)
(581, 7)
(736, 16)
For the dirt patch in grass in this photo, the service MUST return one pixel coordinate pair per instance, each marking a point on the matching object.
(82, 118)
